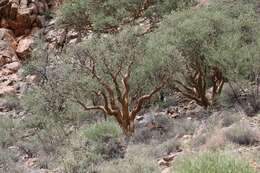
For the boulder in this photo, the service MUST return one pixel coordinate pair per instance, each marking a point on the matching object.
(24, 46)
(8, 36)
(7, 53)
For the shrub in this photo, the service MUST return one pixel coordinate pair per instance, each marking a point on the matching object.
(8, 162)
(96, 132)
(104, 139)
(90, 146)
(211, 162)
(230, 119)
(164, 128)
(77, 155)
(166, 148)
(241, 133)
(137, 160)
(7, 132)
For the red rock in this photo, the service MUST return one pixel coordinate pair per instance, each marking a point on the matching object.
(7, 53)
(24, 46)
(8, 36)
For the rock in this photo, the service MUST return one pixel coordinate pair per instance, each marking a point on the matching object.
(8, 36)
(24, 46)
(7, 53)
(7, 90)
(32, 79)
(72, 35)
(144, 120)
(14, 66)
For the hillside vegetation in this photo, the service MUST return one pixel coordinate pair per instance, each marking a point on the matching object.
(130, 86)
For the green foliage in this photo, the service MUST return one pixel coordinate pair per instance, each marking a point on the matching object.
(97, 131)
(106, 14)
(90, 146)
(211, 162)
(223, 36)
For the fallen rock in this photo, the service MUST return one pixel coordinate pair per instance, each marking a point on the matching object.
(24, 46)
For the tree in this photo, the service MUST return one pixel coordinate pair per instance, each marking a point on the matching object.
(207, 47)
(108, 15)
(107, 74)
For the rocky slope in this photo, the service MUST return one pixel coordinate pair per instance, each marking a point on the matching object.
(19, 21)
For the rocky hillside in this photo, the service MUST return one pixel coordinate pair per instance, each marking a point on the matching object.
(122, 86)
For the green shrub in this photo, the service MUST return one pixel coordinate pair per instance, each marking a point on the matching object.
(241, 133)
(211, 162)
(97, 131)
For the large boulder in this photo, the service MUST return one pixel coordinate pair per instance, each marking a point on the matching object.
(24, 46)
(7, 53)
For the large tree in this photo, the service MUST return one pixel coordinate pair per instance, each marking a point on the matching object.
(108, 74)
(207, 47)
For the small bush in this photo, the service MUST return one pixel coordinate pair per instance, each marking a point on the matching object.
(165, 128)
(137, 160)
(210, 162)
(7, 132)
(242, 134)
(8, 163)
(230, 119)
(96, 132)
(229, 95)
(167, 147)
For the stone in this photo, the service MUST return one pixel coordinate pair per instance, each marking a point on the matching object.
(34, 8)
(14, 66)
(23, 3)
(8, 36)
(24, 46)
(7, 90)
(7, 53)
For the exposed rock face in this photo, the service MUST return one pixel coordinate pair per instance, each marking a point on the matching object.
(19, 21)
(21, 16)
